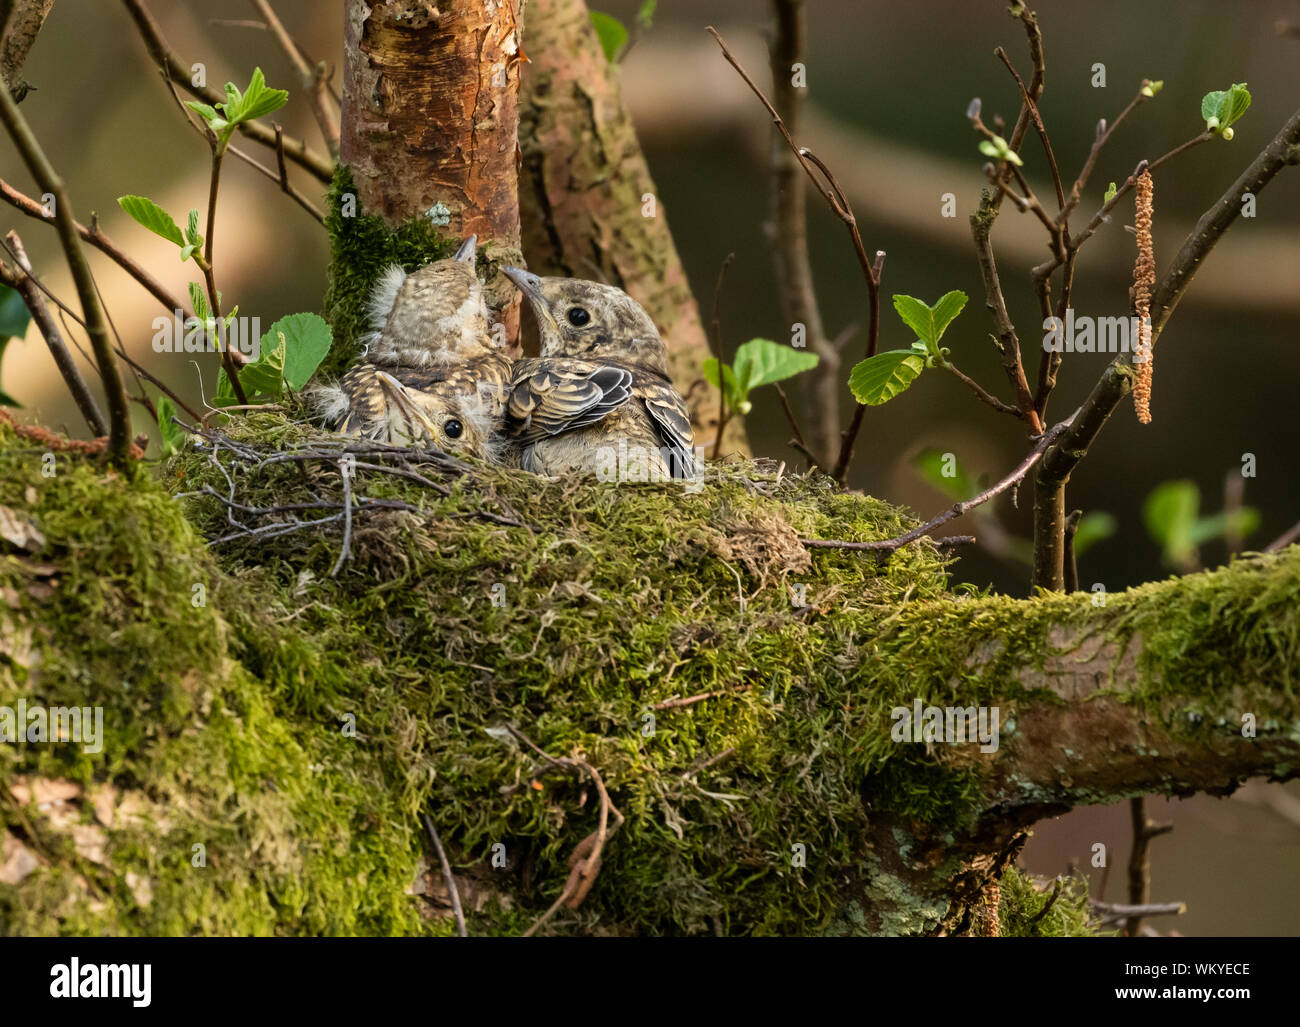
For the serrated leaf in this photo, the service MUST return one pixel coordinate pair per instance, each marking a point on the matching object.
(199, 301)
(259, 100)
(1092, 528)
(762, 362)
(879, 379)
(1224, 106)
(307, 338)
(152, 216)
(262, 380)
(610, 31)
(203, 110)
(1110, 193)
(928, 322)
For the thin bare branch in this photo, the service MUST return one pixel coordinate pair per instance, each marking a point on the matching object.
(119, 418)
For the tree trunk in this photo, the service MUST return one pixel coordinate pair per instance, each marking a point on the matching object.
(430, 116)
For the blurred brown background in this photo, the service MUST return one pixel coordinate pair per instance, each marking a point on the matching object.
(888, 88)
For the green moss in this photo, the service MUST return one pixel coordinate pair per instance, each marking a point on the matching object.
(297, 725)
(1023, 901)
(361, 246)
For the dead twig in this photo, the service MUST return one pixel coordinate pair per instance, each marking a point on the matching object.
(448, 877)
(585, 860)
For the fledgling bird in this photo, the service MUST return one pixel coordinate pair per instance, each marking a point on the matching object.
(600, 387)
(431, 363)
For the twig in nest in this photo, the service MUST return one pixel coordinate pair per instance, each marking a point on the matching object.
(672, 704)
(346, 465)
(584, 861)
(447, 877)
(702, 765)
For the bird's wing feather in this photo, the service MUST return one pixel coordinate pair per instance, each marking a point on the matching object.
(668, 412)
(560, 396)
(366, 403)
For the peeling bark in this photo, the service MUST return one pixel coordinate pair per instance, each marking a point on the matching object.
(430, 117)
(583, 193)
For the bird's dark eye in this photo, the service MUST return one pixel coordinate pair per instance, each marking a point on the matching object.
(453, 429)
(578, 316)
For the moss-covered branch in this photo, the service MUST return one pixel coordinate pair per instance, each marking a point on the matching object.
(295, 727)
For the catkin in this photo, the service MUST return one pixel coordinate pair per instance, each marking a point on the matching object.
(1144, 279)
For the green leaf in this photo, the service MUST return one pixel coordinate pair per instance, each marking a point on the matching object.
(1224, 106)
(1169, 514)
(1110, 194)
(931, 463)
(1242, 522)
(307, 338)
(611, 33)
(199, 301)
(762, 361)
(928, 322)
(645, 15)
(259, 100)
(152, 216)
(207, 113)
(172, 435)
(14, 319)
(997, 148)
(731, 389)
(262, 380)
(1151, 88)
(1092, 528)
(879, 379)
(14, 315)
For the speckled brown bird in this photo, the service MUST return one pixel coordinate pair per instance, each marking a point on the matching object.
(430, 361)
(600, 390)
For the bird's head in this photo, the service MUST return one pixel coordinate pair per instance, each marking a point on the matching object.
(432, 316)
(458, 423)
(591, 321)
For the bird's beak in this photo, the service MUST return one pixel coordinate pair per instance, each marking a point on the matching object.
(466, 250)
(397, 394)
(531, 286)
